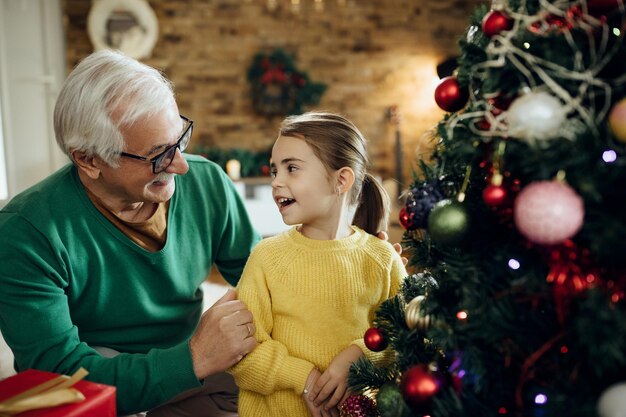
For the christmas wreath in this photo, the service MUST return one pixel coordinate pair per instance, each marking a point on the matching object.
(278, 88)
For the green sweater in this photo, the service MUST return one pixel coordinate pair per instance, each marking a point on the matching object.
(69, 280)
(310, 300)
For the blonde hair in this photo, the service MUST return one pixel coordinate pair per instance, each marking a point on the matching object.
(338, 143)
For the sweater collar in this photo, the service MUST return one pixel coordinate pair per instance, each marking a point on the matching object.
(346, 242)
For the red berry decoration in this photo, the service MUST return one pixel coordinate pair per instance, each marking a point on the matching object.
(418, 386)
(374, 339)
(406, 219)
(494, 195)
(495, 22)
(450, 96)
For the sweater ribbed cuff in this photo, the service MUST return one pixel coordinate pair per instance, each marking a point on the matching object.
(176, 367)
(377, 358)
(293, 374)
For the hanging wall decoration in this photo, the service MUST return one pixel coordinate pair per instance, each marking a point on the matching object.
(130, 26)
(279, 88)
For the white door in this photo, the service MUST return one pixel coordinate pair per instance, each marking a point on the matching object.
(32, 68)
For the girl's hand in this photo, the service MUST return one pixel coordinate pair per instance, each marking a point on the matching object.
(314, 409)
(331, 388)
(384, 236)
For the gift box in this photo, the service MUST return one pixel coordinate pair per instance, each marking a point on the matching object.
(34, 393)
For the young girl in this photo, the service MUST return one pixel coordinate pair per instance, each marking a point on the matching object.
(313, 289)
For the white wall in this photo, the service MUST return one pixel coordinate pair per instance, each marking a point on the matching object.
(32, 68)
(4, 185)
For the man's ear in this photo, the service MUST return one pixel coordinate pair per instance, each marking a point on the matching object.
(88, 164)
(345, 179)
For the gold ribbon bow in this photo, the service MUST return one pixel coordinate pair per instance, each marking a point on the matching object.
(56, 391)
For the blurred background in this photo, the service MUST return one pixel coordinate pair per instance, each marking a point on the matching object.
(369, 55)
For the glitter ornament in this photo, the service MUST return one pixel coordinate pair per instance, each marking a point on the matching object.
(548, 212)
(571, 274)
(389, 401)
(617, 120)
(420, 201)
(418, 386)
(448, 222)
(450, 96)
(358, 406)
(535, 116)
(375, 340)
(496, 22)
(415, 319)
(612, 402)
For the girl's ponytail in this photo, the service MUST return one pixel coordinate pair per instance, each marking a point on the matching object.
(373, 210)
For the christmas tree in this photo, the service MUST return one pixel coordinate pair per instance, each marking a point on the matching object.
(516, 227)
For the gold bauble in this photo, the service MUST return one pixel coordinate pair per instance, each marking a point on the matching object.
(414, 317)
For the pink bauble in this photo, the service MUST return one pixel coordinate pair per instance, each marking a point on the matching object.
(548, 212)
(617, 120)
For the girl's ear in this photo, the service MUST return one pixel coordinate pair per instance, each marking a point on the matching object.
(87, 164)
(345, 179)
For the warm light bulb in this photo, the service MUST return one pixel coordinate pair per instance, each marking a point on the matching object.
(233, 169)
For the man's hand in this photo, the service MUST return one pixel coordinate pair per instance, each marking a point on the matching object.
(331, 388)
(384, 236)
(223, 337)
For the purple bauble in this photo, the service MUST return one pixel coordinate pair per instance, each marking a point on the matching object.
(420, 201)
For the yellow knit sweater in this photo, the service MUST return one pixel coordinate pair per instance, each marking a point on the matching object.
(310, 300)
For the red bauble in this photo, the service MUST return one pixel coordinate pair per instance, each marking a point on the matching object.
(482, 124)
(375, 340)
(406, 219)
(418, 386)
(450, 96)
(499, 104)
(494, 195)
(495, 22)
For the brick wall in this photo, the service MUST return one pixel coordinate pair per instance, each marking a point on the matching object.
(370, 53)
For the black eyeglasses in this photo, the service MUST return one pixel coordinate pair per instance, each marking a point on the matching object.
(165, 158)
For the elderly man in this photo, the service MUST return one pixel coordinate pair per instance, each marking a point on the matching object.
(101, 263)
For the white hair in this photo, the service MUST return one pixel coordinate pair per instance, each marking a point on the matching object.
(103, 83)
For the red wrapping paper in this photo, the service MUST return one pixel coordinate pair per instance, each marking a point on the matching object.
(99, 399)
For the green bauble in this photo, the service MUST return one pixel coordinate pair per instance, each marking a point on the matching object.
(448, 223)
(389, 401)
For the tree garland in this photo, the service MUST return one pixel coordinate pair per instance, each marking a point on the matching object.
(278, 88)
